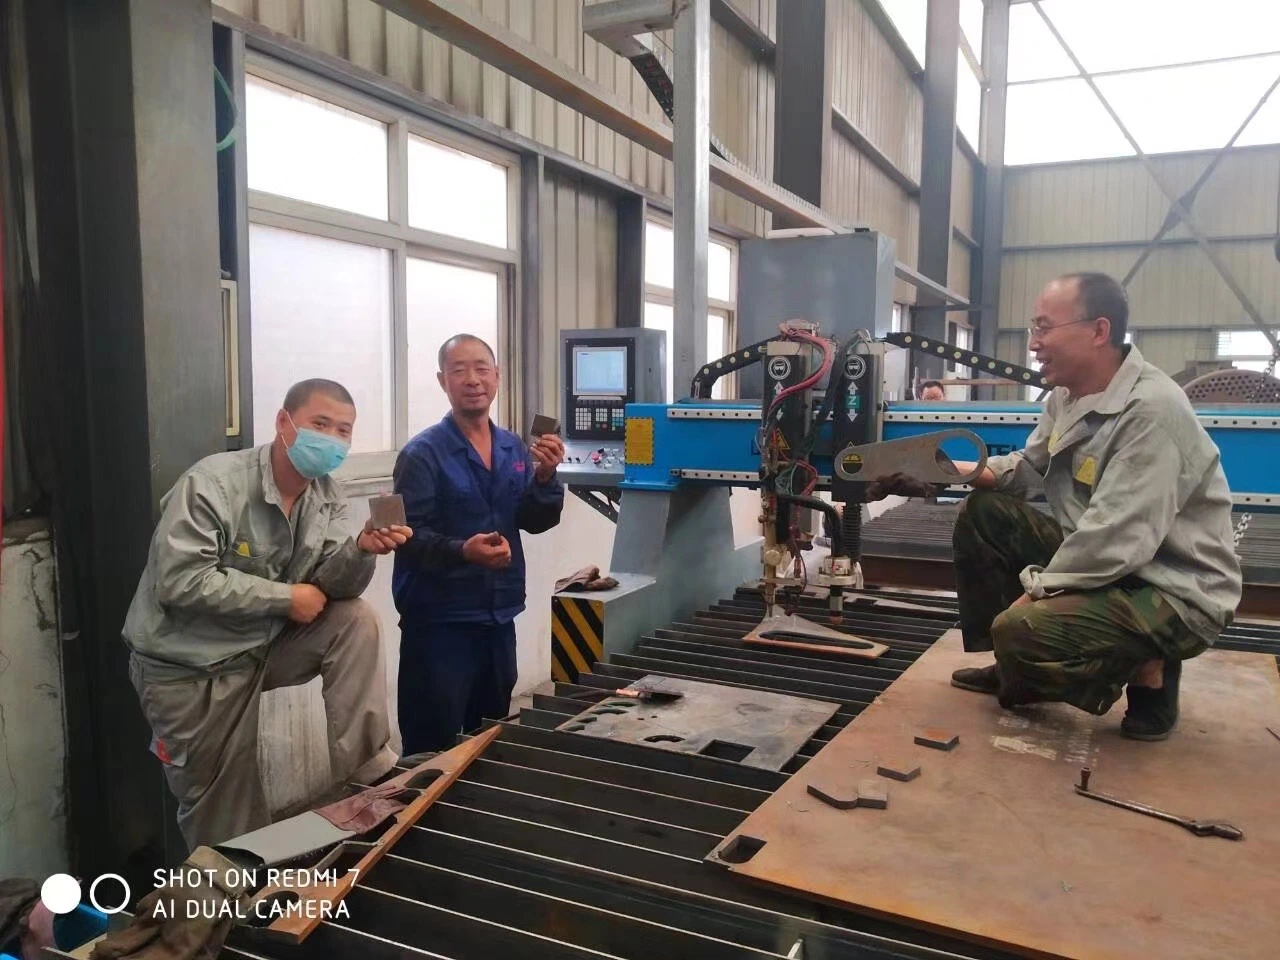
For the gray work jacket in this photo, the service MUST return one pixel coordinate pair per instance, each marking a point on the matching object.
(224, 556)
(1138, 488)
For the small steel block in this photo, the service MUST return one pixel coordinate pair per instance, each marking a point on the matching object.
(904, 772)
(842, 797)
(873, 794)
(938, 739)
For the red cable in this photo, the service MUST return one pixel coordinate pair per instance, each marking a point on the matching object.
(827, 358)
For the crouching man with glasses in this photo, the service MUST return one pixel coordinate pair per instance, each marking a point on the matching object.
(1135, 570)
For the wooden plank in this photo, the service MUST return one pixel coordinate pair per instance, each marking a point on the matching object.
(992, 843)
(295, 928)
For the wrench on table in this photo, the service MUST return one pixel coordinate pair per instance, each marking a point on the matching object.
(1201, 828)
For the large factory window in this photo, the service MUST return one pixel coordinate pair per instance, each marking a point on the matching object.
(373, 236)
(659, 307)
(1179, 80)
(470, 299)
(1246, 349)
(321, 308)
(307, 149)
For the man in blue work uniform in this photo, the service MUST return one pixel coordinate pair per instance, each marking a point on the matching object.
(469, 488)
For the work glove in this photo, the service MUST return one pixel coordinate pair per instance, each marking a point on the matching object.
(174, 936)
(363, 811)
(901, 485)
(588, 578)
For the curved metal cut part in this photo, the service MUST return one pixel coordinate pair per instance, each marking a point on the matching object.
(790, 630)
(920, 457)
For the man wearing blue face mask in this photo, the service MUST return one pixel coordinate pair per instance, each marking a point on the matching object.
(252, 583)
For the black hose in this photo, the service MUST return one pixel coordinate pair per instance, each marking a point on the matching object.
(814, 503)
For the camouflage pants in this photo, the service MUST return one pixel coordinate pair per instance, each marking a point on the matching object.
(1078, 648)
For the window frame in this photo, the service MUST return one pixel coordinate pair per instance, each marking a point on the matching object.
(403, 242)
(728, 309)
(1252, 359)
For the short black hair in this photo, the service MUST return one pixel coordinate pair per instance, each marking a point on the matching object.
(302, 391)
(1101, 295)
(458, 338)
(930, 383)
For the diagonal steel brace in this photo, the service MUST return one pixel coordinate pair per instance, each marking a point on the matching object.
(1172, 219)
(1176, 205)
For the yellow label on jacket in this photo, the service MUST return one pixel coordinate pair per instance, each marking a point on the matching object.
(242, 549)
(1088, 471)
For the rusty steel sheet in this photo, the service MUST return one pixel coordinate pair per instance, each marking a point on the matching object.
(751, 727)
(990, 841)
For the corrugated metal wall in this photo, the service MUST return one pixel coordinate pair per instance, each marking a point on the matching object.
(962, 213)
(1095, 215)
(873, 88)
(366, 34)
(579, 268)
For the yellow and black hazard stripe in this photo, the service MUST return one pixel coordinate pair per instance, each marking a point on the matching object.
(577, 636)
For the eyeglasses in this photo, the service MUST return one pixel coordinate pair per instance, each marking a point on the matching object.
(1038, 328)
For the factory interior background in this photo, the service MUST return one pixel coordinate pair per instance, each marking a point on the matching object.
(205, 202)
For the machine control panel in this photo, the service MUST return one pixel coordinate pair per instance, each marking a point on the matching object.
(589, 463)
(598, 415)
(587, 455)
(601, 371)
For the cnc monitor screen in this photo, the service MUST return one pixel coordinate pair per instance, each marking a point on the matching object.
(600, 371)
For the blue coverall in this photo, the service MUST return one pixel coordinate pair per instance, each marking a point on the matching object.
(457, 629)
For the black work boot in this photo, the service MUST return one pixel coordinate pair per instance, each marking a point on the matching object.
(977, 679)
(1153, 714)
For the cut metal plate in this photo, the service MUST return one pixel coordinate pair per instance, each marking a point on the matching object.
(790, 630)
(1000, 813)
(750, 727)
(920, 457)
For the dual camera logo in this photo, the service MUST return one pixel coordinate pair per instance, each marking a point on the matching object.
(61, 893)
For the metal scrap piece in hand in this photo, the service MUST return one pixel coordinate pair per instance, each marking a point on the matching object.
(919, 457)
